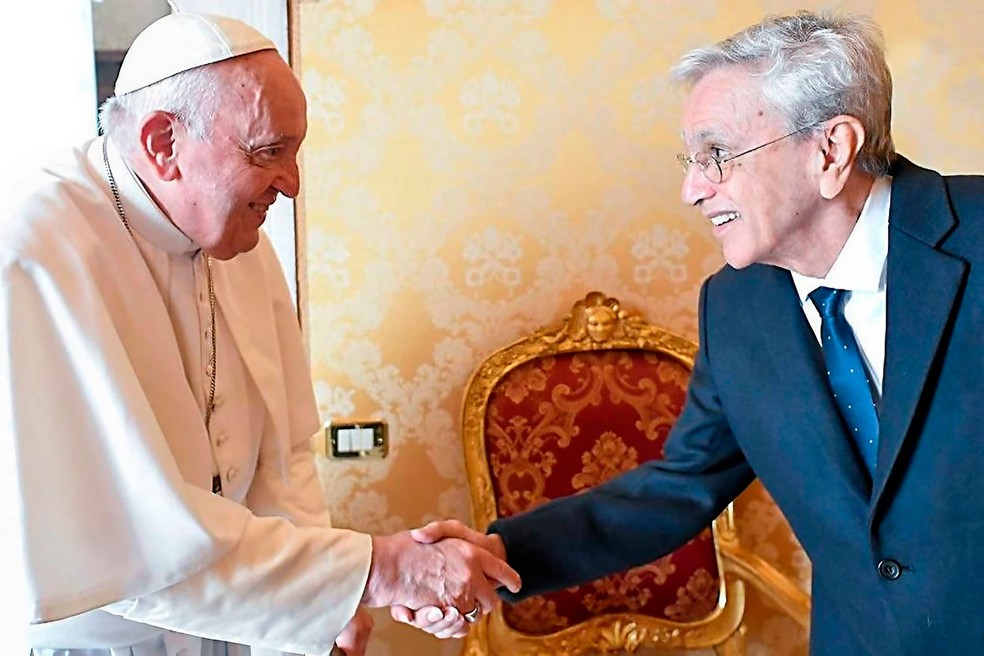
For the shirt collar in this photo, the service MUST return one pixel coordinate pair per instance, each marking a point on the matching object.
(860, 266)
(143, 214)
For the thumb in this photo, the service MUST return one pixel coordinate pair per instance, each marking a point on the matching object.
(448, 528)
(401, 614)
(427, 534)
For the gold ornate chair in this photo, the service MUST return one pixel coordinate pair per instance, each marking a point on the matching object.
(561, 411)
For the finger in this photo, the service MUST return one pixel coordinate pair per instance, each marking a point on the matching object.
(401, 614)
(433, 620)
(430, 619)
(485, 597)
(455, 629)
(446, 627)
(448, 528)
(499, 572)
(460, 633)
(453, 624)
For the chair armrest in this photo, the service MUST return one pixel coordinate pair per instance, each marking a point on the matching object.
(769, 581)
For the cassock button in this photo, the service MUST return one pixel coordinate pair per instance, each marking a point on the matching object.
(889, 569)
(231, 473)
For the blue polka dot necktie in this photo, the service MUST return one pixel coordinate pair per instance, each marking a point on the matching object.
(847, 374)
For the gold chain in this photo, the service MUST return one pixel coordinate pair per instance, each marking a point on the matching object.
(208, 274)
(211, 360)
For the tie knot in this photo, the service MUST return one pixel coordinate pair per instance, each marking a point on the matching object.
(828, 301)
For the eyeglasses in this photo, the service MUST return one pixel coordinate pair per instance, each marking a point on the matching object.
(710, 165)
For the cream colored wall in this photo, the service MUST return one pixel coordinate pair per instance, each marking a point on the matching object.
(473, 167)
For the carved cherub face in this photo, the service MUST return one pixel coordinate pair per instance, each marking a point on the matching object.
(601, 322)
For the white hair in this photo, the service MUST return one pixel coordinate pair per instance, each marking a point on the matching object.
(813, 67)
(190, 96)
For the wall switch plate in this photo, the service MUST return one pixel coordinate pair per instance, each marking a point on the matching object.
(346, 439)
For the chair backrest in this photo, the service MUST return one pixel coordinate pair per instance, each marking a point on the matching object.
(557, 413)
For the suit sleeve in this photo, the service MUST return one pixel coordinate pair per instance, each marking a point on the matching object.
(643, 514)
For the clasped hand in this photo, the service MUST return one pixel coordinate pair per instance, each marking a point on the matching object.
(432, 577)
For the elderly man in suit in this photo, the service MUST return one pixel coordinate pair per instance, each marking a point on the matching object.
(840, 353)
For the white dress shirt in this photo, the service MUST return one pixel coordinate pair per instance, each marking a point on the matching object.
(860, 269)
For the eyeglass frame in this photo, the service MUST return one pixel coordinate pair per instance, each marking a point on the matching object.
(686, 161)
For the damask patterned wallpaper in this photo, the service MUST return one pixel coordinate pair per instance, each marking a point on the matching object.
(473, 167)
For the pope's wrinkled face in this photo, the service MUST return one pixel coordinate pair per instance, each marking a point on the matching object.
(762, 208)
(248, 157)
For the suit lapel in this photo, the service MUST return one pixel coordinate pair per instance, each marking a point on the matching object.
(922, 286)
(815, 420)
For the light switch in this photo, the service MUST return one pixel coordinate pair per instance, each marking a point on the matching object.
(356, 439)
(366, 439)
(343, 439)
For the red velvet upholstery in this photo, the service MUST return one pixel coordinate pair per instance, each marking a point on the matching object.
(561, 424)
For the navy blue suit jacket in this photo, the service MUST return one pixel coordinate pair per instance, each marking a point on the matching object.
(759, 404)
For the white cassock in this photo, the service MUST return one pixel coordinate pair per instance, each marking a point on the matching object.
(105, 347)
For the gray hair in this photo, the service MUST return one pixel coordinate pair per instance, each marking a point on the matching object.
(813, 67)
(189, 95)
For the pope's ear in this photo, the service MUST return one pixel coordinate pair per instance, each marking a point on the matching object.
(842, 139)
(157, 144)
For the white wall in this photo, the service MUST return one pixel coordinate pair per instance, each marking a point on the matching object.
(49, 82)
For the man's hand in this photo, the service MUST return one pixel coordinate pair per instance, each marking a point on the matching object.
(450, 573)
(449, 622)
(355, 636)
(431, 619)
(452, 528)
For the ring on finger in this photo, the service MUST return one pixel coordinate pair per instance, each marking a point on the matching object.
(472, 616)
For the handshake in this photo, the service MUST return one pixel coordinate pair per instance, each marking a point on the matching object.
(439, 578)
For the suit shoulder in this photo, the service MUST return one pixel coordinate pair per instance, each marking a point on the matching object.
(729, 282)
(966, 196)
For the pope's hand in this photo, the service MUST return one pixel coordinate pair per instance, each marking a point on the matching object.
(452, 528)
(446, 622)
(431, 619)
(451, 573)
